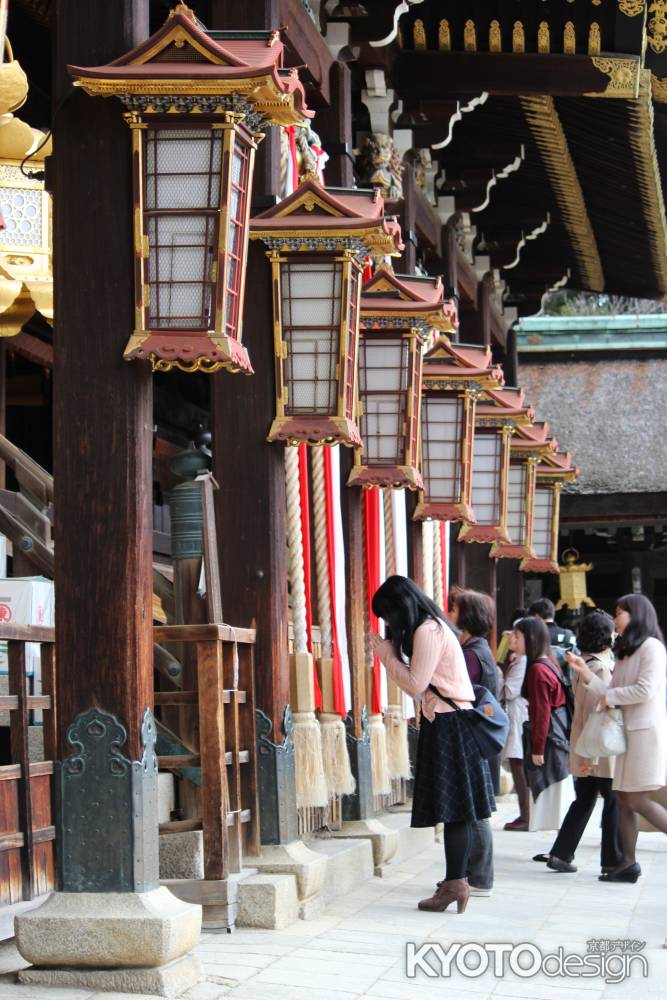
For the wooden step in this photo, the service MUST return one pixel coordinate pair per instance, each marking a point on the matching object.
(181, 826)
(176, 761)
(191, 697)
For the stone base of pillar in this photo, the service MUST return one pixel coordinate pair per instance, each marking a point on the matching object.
(137, 940)
(171, 980)
(308, 867)
(383, 839)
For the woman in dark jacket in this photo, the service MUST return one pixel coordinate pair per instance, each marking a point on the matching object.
(547, 769)
(474, 614)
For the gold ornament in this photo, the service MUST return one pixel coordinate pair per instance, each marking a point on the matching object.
(444, 36)
(630, 7)
(657, 26)
(470, 37)
(543, 37)
(518, 38)
(419, 34)
(569, 39)
(623, 76)
(594, 39)
(495, 37)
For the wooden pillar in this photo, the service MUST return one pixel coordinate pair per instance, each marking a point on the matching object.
(415, 549)
(251, 517)
(359, 805)
(103, 419)
(408, 221)
(250, 504)
(334, 126)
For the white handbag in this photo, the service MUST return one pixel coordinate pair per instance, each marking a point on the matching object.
(603, 734)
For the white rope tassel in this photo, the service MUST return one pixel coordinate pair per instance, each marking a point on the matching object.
(295, 542)
(321, 561)
(396, 729)
(438, 589)
(311, 786)
(381, 779)
(337, 770)
(427, 556)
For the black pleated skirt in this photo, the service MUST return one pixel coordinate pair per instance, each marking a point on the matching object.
(452, 780)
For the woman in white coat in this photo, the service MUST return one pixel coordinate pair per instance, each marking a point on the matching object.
(638, 687)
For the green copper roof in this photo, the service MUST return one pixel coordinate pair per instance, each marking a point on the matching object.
(543, 334)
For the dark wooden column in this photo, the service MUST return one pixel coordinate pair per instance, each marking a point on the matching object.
(334, 126)
(359, 805)
(250, 504)
(103, 418)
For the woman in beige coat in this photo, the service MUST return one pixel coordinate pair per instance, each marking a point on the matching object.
(638, 687)
(592, 777)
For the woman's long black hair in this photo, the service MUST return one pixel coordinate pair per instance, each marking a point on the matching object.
(538, 644)
(643, 624)
(404, 607)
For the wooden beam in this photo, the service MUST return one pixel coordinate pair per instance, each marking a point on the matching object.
(306, 48)
(431, 75)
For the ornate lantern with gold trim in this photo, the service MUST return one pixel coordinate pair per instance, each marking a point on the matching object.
(398, 313)
(26, 280)
(316, 238)
(494, 425)
(455, 376)
(528, 446)
(551, 474)
(573, 589)
(197, 103)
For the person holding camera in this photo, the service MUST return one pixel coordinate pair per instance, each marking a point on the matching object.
(591, 776)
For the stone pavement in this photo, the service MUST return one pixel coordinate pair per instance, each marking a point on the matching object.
(357, 949)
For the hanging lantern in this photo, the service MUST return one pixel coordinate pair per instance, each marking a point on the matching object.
(528, 446)
(494, 425)
(316, 240)
(551, 474)
(572, 583)
(197, 104)
(455, 376)
(398, 313)
(26, 280)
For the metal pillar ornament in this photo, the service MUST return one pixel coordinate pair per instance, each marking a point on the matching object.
(197, 105)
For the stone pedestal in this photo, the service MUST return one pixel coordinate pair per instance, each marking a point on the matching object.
(384, 840)
(132, 942)
(308, 867)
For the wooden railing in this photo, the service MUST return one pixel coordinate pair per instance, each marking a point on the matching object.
(27, 832)
(225, 700)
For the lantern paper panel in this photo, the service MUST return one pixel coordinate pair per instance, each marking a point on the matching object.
(398, 314)
(316, 239)
(520, 510)
(197, 104)
(545, 529)
(448, 422)
(491, 454)
(455, 377)
(311, 295)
